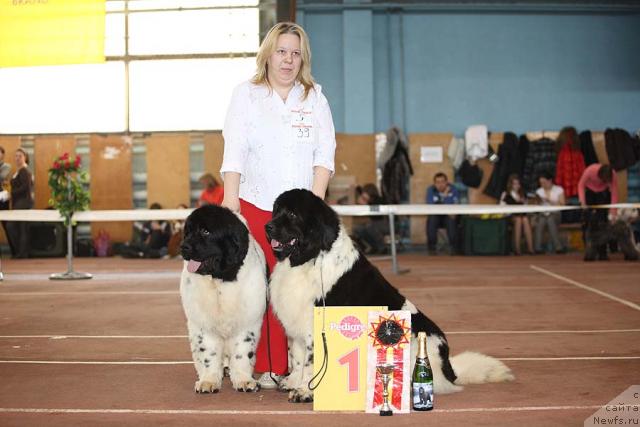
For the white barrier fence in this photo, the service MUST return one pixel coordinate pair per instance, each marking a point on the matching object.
(48, 215)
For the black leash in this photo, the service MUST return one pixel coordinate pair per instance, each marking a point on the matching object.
(325, 358)
(269, 343)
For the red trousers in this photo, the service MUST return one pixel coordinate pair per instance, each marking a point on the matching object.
(257, 219)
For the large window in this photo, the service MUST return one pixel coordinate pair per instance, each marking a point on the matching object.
(171, 66)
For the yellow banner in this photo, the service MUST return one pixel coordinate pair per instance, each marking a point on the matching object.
(51, 32)
(344, 386)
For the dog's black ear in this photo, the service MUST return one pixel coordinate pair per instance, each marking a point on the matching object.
(329, 225)
(234, 245)
(237, 246)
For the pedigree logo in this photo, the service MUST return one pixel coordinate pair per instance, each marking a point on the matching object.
(349, 327)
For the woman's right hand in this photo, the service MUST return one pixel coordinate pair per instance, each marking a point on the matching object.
(231, 203)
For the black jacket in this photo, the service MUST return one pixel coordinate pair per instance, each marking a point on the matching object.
(508, 163)
(620, 149)
(395, 176)
(541, 159)
(588, 152)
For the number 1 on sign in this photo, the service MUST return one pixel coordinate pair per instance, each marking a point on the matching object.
(352, 360)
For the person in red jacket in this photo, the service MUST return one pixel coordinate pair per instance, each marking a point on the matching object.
(212, 192)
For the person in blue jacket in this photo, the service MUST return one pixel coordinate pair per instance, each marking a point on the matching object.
(441, 193)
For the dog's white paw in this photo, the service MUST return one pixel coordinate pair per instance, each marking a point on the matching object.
(207, 386)
(248, 386)
(301, 395)
(287, 384)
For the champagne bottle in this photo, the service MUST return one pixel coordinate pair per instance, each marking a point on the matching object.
(422, 379)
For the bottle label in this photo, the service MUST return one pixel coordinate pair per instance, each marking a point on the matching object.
(422, 395)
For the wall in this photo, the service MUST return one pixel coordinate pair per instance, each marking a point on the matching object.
(441, 71)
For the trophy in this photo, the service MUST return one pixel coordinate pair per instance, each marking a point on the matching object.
(388, 355)
(385, 370)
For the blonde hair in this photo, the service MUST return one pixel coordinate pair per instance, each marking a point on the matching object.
(269, 45)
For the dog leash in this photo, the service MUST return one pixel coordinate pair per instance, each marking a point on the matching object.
(325, 359)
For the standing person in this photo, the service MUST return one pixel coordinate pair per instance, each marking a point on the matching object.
(441, 193)
(549, 195)
(598, 185)
(212, 191)
(278, 135)
(514, 195)
(5, 171)
(21, 198)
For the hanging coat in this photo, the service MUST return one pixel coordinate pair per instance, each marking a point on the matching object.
(395, 176)
(507, 164)
(569, 169)
(588, 152)
(541, 159)
(620, 149)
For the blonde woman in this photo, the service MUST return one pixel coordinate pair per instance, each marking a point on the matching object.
(278, 135)
(514, 195)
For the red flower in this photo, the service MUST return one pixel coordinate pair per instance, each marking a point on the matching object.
(77, 162)
(67, 163)
(65, 156)
(56, 165)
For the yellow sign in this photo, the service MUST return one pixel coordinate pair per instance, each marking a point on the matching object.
(344, 386)
(51, 32)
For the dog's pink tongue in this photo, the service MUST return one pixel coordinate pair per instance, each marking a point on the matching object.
(192, 266)
(274, 243)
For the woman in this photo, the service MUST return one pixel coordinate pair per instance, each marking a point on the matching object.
(598, 185)
(212, 192)
(21, 198)
(514, 195)
(549, 195)
(278, 135)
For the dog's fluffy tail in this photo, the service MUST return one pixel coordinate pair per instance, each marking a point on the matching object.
(476, 368)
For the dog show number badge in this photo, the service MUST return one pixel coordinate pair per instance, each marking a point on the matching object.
(301, 125)
(388, 367)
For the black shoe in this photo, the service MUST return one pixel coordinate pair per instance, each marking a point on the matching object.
(562, 251)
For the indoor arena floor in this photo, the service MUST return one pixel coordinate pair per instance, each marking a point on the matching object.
(113, 350)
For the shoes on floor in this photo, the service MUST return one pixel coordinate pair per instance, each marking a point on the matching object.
(266, 382)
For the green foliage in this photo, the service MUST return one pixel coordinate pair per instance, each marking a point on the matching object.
(67, 181)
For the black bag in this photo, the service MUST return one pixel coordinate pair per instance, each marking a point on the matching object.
(471, 175)
(47, 239)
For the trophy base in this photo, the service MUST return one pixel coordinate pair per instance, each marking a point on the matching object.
(386, 413)
(70, 275)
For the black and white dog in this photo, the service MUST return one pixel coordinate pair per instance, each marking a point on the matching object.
(316, 257)
(223, 288)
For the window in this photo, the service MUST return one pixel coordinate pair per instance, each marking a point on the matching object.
(182, 61)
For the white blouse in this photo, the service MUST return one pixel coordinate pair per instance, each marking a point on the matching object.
(275, 145)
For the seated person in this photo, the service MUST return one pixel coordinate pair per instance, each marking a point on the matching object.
(370, 236)
(212, 191)
(514, 195)
(549, 195)
(150, 239)
(442, 193)
(173, 247)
